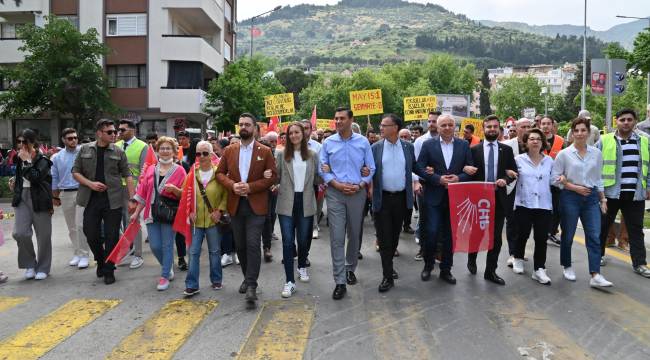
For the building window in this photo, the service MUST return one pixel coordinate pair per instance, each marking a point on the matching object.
(227, 52)
(127, 76)
(228, 12)
(126, 25)
(9, 31)
(185, 75)
(73, 19)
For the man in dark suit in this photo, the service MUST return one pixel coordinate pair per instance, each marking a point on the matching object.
(392, 192)
(241, 172)
(494, 162)
(447, 156)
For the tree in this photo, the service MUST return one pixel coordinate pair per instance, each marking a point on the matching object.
(513, 94)
(61, 75)
(241, 88)
(484, 101)
(575, 88)
(641, 52)
(294, 80)
(616, 51)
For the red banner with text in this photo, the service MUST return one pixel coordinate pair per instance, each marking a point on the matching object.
(471, 208)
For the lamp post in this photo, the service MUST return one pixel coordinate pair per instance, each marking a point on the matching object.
(253, 22)
(583, 98)
(640, 18)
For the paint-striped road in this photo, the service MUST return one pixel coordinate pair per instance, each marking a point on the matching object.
(165, 332)
(8, 302)
(44, 334)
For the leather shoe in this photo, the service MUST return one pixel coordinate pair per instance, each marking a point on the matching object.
(426, 274)
(350, 278)
(109, 278)
(251, 294)
(386, 284)
(339, 292)
(448, 277)
(243, 287)
(494, 278)
(395, 275)
(99, 271)
(268, 257)
(471, 266)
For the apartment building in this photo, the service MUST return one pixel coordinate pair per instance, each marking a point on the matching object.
(555, 78)
(163, 54)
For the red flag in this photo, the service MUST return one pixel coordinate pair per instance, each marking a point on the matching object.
(273, 124)
(187, 206)
(124, 245)
(471, 208)
(313, 118)
(149, 160)
(180, 153)
(256, 32)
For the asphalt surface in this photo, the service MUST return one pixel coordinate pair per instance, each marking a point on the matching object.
(415, 320)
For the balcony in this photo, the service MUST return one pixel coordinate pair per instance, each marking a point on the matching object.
(9, 53)
(26, 6)
(184, 101)
(191, 48)
(204, 14)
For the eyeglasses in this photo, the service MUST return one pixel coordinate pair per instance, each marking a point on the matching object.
(110, 132)
(203, 153)
(70, 138)
(21, 141)
(123, 129)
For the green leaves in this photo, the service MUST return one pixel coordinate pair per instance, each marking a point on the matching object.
(513, 94)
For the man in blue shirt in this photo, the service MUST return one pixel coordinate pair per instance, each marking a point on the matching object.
(64, 192)
(345, 153)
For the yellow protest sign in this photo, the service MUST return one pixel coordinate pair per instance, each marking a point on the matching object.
(366, 102)
(279, 105)
(325, 124)
(418, 107)
(478, 126)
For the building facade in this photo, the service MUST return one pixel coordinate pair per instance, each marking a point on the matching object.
(163, 54)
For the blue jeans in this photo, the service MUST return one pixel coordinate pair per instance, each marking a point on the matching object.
(587, 208)
(214, 254)
(296, 227)
(161, 240)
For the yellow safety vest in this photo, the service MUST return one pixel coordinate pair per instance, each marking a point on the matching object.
(609, 158)
(133, 153)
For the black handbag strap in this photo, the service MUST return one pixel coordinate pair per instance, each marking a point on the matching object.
(204, 195)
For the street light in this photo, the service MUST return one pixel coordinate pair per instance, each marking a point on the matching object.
(253, 22)
(640, 18)
(583, 98)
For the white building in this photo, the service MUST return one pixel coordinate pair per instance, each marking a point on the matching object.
(557, 79)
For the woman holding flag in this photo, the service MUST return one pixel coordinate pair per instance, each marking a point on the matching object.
(159, 189)
(203, 202)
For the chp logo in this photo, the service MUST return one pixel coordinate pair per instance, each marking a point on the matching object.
(470, 213)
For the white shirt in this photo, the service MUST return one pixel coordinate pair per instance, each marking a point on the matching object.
(534, 183)
(486, 154)
(314, 146)
(447, 151)
(245, 156)
(299, 172)
(581, 171)
(417, 145)
(206, 176)
(393, 163)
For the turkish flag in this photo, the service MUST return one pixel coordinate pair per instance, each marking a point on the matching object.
(313, 118)
(256, 32)
(187, 206)
(149, 160)
(273, 124)
(124, 245)
(471, 208)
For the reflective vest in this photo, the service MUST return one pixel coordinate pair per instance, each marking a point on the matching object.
(133, 153)
(558, 143)
(610, 147)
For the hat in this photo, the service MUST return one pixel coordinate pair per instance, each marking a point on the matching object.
(584, 114)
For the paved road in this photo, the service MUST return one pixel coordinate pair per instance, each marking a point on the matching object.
(72, 315)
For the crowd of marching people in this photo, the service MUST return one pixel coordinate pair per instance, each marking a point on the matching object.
(231, 191)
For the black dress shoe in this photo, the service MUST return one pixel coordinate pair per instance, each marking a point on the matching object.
(395, 275)
(360, 256)
(409, 230)
(243, 287)
(447, 277)
(251, 294)
(182, 265)
(494, 278)
(425, 275)
(350, 278)
(109, 278)
(386, 284)
(99, 271)
(471, 266)
(339, 292)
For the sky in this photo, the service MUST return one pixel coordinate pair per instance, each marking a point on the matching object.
(601, 14)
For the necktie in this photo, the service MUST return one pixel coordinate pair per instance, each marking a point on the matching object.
(490, 170)
(126, 144)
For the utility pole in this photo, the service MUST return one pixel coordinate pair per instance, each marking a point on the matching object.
(253, 22)
(583, 99)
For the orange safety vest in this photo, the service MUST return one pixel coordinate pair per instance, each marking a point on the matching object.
(558, 143)
(475, 140)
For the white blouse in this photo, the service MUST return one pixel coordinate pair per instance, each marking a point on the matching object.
(299, 171)
(534, 183)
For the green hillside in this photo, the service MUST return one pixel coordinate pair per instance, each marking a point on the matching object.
(357, 33)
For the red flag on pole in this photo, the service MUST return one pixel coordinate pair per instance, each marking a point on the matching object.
(149, 160)
(471, 208)
(313, 118)
(186, 206)
(124, 245)
(256, 32)
(273, 124)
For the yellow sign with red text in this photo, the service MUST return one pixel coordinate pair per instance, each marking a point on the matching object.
(325, 124)
(279, 105)
(478, 127)
(418, 107)
(366, 102)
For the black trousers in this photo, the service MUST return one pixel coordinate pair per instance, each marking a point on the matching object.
(247, 229)
(633, 212)
(269, 221)
(97, 211)
(407, 218)
(492, 259)
(388, 222)
(540, 220)
(555, 216)
(181, 250)
(511, 232)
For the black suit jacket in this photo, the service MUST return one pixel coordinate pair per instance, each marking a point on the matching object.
(505, 161)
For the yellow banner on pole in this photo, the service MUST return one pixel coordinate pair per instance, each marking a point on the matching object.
(325, 124)
(279, 105)
(418, 107)
(478, 126)
(366, 102)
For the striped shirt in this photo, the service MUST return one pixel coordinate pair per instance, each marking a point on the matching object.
(630, 168)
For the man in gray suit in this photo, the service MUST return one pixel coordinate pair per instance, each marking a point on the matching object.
(392, 192)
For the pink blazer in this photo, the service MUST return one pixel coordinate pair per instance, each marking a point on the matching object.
(144, 193)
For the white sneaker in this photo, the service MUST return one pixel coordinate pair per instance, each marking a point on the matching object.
(226, 259)
(83, 262)
(599, 281)
(3, 277)
(163, 284)
(40, 276)
(511, 261)
(29, 274)
(541, 277)
(125, 259)
(236, 259)
(136, 262)
(171, 275)
(417, 240)
(603, 261)
(518, 266)
(289, 289)
(569, 274)
(303, 275)
(75, 261)
(314, 234)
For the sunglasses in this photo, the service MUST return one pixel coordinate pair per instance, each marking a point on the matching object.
(203, 153)
(122, 129)
(21, 141)
(110, 132)
(70, 138)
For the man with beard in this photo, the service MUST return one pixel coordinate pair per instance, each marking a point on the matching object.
(241, 171)
(493, 162)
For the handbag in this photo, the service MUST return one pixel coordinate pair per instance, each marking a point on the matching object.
(225, 219)
(163, 209)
